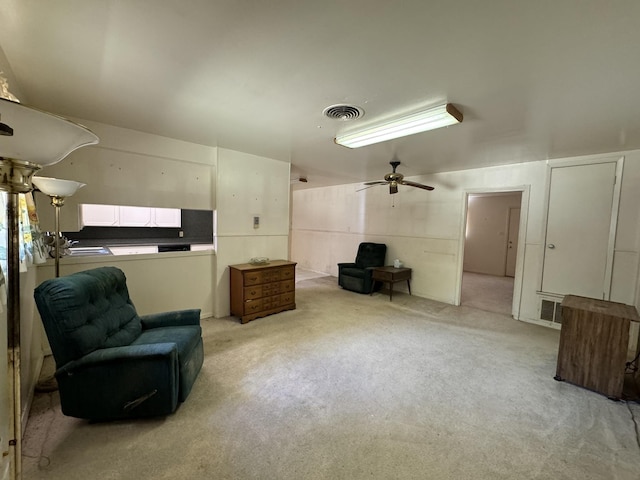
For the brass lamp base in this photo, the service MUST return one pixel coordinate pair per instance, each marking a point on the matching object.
(15, 178)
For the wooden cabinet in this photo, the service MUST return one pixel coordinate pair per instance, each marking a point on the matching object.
(261, 290)
(593, 344)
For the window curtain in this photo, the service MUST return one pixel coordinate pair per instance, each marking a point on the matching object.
(32, 248)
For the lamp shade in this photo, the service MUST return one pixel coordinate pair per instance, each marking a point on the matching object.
(39, 137)
(56, 187)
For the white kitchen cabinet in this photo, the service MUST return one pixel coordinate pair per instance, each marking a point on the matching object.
(135, 217)
(99, 215)
(167, 217)
(93, 215)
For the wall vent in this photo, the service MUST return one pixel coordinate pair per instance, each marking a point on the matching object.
(551, 311)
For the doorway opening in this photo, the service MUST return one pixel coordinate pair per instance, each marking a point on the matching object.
(489, 262)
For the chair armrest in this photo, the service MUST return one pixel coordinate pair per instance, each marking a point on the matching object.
(346, 265)
(171, 319)
(368, 272)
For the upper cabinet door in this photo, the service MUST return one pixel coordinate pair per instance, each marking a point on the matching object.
(135, 217)
(92, 215)
(167, 217)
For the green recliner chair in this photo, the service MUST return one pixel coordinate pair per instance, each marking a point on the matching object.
(110, 362)
(357, 276)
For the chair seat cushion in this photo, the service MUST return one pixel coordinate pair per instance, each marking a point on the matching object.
(353, 272)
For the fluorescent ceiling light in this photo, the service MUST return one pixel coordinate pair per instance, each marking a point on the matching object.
(435, 117)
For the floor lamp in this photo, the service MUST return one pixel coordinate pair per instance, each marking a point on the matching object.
(58, 190)
(29, 140)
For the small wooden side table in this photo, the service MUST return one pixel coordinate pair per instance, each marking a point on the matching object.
(392, 275)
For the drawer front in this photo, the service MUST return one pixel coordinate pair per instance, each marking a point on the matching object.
(288, 298)
(287, 286)
(271, 289)
(287, 273)
(253, 306)
(271, 302)
(253, 278)
(271, 275)
(267, 303)
(382, 276)
(253, 292)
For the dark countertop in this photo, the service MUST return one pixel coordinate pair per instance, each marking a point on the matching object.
(127, 242)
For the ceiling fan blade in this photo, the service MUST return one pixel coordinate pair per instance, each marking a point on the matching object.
(418, 185)
(364, 188)
(378, 182)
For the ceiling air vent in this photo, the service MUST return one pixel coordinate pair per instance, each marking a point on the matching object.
(343, 112)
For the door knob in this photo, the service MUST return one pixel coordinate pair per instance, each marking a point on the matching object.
(551, 246)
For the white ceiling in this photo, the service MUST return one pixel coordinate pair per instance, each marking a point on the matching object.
(534, 79)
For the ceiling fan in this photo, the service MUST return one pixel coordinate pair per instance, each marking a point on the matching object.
(394, 179)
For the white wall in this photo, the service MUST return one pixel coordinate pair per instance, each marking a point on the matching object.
(424, 229)
(133, 168)
(157, 282)
(485, 243)
(249, 186)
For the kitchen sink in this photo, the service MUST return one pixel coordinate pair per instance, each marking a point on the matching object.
(86, 251)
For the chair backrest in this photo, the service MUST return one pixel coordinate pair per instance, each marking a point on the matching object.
(87, 311)
(371, 255)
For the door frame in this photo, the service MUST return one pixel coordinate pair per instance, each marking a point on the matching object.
(506, 260)
(615, 205)
(524, 190)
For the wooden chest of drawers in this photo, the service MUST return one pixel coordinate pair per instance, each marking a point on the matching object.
(260, 290)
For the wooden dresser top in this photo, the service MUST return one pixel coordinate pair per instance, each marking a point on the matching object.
(603, 307)
(272, 263)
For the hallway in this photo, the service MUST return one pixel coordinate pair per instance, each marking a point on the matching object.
(487, 292)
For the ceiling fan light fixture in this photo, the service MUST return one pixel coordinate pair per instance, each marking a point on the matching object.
(422, 121)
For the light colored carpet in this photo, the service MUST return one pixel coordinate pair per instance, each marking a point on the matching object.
(353, 386)
(487, 292)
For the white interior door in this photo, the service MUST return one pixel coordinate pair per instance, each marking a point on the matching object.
(512, 242)
(578, 236)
